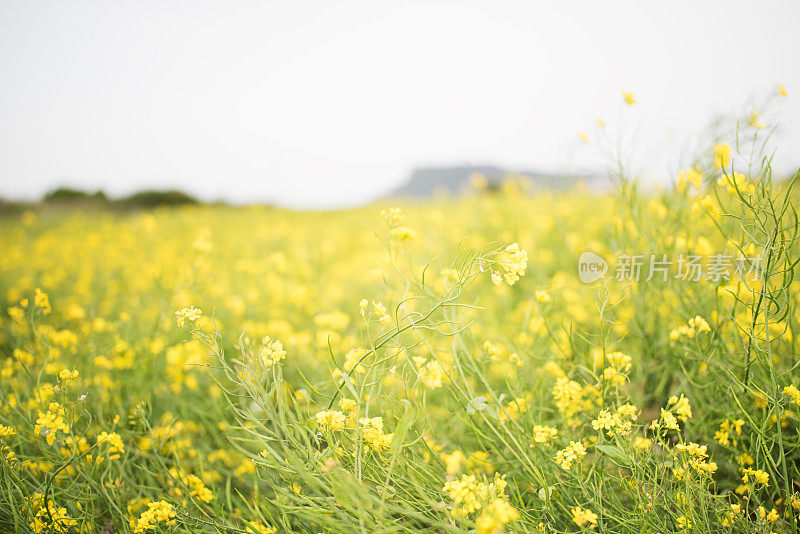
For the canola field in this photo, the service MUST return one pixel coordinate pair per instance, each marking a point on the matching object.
(454, 365)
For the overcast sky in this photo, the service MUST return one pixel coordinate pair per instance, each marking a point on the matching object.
(333, 103)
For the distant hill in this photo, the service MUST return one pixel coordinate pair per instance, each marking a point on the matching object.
(424, 181)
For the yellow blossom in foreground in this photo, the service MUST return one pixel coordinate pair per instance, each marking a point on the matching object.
(330, 420)
(50, 422)
(190, 314)
(272, 351)
(584, 516)
(157, 512)
(255, 527)
(453, 461)
(543, 434)
(512, 262)
(793, 393)
(41, 300)
(628, 98)
(572, 453)
(495, 516)
(722, 156)
(115, 445)
(372, 431)
(690, 177)
(466, 494)
(759, 476)
(682, 407)
(667, 421)
(432, 374)
(50, 518)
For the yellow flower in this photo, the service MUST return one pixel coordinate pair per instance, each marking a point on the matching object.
(66, 374)
(272, 351)
(604, 421)
(157, 512)
(330, 420)
(781, 89)
(255, 527)
(759, 476)
(682, 407)
(115, 445)
(572, 453)
(372, 431)
(466, 494)
(512, 262)
(495, 516)
(722, 156)
(754, 121)
(689, 177)
(568, 395)
(793, 393)
(403, 233)
(584, 516)
(50, 422)
(453, 461)
(543, 434)
(629, 98)
(190, 314)
(41, 300)
(432, 374)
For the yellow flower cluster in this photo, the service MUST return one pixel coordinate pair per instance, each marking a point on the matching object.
(114, 441)
(793, 393)
(194, 484)
(48, 517)
(189, 314)
(495, 516)
(50, 422)
(511, 263)
(432, 374)
(583, 517)
(330, 420)
(372, 432)
(722, 156)
(470, 494)
(696, 325)
(697, 459)
(759, 476)
(681, 407)
(271, 352)
(570, 454)
(158, 512)
(544, 433)
(568, 396)
(726, 428)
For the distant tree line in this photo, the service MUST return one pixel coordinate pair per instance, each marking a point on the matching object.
(69, 197)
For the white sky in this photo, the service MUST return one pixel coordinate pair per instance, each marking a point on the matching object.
(332, 103)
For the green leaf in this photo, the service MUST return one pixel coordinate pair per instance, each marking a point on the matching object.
(614, 452)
